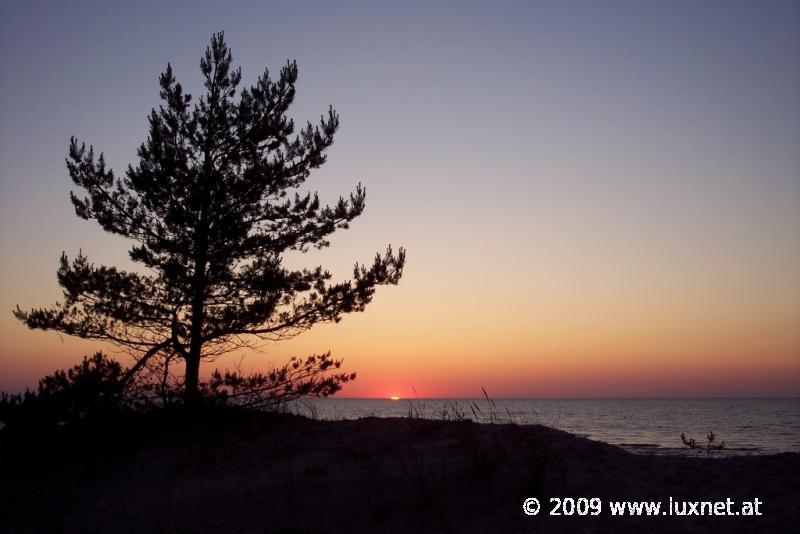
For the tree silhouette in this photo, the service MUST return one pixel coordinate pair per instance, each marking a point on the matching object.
(208, 205)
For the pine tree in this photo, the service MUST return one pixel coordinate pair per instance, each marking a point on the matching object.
(212, 205)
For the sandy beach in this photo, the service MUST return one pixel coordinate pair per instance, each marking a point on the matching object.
(251, 472)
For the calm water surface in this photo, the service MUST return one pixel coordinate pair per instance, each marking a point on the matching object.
(652, 426)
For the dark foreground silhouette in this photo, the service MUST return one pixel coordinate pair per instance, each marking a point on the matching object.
(231, 471)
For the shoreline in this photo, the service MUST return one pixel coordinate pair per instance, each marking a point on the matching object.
(747, 426)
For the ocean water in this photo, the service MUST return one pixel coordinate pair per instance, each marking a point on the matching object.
(645, 426)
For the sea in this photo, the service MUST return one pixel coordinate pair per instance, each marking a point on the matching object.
(747, 426)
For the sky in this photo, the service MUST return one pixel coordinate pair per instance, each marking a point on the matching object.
(596, 198)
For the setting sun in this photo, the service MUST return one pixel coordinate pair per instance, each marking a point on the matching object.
(394, 397)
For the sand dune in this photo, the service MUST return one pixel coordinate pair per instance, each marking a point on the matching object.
(257, 473)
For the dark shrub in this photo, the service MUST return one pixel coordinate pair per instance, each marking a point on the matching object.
(94, 386)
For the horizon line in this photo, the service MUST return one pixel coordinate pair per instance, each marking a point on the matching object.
(606, 397)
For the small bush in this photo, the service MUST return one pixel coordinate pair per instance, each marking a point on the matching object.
(95, 385)
(710, 447)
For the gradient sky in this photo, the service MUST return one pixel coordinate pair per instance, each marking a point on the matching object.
(597, 198)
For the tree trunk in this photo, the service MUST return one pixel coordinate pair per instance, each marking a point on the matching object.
(191, 378)
(199, 281)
